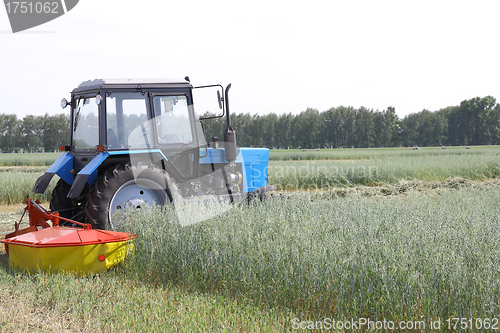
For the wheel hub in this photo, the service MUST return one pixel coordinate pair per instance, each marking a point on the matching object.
(136, 193)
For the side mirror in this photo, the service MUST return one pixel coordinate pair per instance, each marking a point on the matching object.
(204, 97)
(219, 99)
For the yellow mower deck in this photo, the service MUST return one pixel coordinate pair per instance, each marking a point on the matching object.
(69, 249)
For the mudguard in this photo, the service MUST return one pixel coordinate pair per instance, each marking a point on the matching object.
(62, 167)
(87, 175)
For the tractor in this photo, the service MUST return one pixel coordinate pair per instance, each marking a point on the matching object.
(137, 143)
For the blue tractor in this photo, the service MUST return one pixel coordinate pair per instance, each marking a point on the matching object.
(138, 143)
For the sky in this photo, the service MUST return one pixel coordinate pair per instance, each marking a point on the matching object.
(280, 56)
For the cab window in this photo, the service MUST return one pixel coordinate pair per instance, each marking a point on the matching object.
(85, 124)
(172, 119)
(127, 121)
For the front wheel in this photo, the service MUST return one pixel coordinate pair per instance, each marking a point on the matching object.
(126, 186)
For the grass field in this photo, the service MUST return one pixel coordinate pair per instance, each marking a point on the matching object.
(17, 182)
(374, 153)
(44, 159)
(416, 241)
(350, 167)
(413, 256)
(330, 169)
(114, 303)
(304, 175)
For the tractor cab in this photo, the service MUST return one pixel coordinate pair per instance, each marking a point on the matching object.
(139, 142)
(132, 116)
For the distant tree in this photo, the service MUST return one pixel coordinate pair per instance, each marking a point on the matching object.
(269, 127)
(284, 135)
(456, 132)
(10, 133)
(55, 131)
(31, 133)
(365, 128)
(307, 128)
(243, 123)
(386, 123)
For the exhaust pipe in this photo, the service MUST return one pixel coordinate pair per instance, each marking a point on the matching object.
(229, 135)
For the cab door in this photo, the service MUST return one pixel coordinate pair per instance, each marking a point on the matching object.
(175, 132)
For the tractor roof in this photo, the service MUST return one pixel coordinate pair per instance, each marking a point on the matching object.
(131, 83)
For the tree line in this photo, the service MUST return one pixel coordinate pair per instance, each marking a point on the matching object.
(33, 134)
(474, 122)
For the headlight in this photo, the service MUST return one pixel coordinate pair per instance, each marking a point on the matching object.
(235, 177)
(98, 99)
(64, 103)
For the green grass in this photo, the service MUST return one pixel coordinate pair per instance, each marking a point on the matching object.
(422, 255)
(17, 182)
(369, 153)
(117, 301)
(112, 303)
(398, 258)
(34, 159)
(46, 159)
(337, 168)
(385, 166)
(258, 266)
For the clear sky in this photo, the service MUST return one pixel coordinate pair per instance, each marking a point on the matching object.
(280, 56)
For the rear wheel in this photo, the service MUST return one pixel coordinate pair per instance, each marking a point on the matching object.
(126, 186)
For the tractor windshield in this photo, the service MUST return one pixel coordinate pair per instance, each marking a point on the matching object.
(85, 124)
